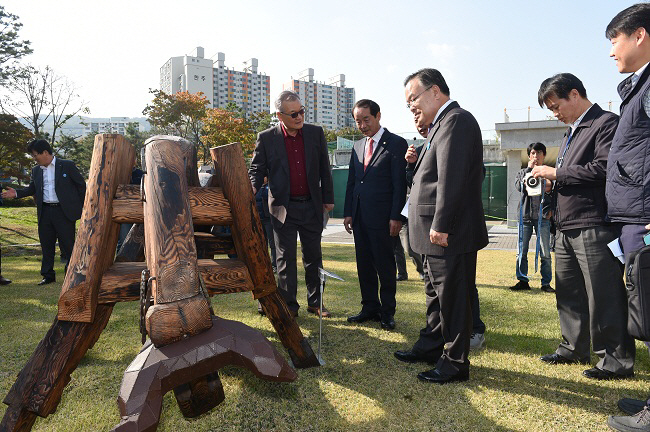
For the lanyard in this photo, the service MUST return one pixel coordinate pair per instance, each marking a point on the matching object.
(560, 160)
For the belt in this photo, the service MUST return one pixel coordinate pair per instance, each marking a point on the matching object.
(300, 198)
(51, 204)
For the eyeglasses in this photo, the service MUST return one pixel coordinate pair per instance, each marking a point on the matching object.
(296, 114)
(408, 104)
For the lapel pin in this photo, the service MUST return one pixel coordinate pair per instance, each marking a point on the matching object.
(65, 175)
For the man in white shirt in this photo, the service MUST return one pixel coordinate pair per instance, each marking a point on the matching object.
(58, 189)
(374, 198)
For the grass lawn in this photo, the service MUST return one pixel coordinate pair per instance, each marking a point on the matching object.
(361, 386)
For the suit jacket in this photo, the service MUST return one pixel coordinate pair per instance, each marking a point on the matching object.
(69, 185)
(446, 190)
(379, 192)
(270, 159)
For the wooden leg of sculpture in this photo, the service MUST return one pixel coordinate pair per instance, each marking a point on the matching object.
(38, 388)
(248, 236)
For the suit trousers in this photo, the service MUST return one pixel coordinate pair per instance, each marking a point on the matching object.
(447, 284)
(54, 225)
(415, 257)
(301, 219)
(400, 258)
(591, 299)
(375, 267)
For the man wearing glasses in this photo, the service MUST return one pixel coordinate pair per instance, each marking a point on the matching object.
(293, 156)
(446, 224)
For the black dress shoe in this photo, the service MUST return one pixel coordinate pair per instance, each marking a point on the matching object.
(412, 357)
(364, 316)
(602, 374)
(556, 358)
(4, 281)
(46, 281)
(402, 277)
(631, 406)
(437, 377)
(388, 322)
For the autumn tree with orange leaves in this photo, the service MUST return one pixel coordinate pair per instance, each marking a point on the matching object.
(180, 114)
(222, 127)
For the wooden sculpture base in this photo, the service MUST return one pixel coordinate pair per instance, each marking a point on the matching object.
(155, 371)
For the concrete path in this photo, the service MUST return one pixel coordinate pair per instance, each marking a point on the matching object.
(500, 236)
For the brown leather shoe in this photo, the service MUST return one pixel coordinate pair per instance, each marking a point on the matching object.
(317, 311)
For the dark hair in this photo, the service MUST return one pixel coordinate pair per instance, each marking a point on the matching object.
(367, 103)
(39, 146)
(560, 85)
(538, 147)
(629, 20)
(429, 77)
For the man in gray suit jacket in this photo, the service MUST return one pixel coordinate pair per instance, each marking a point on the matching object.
(446, 224)
(374, 198)
(293, 156)
(58, 189)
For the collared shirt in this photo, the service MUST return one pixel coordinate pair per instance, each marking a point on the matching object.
(442, 108)
(295, 146)
(576, 123)
(646, 97)
(49, 194)
(375, 138)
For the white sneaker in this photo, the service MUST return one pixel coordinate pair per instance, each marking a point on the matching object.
(476, 341)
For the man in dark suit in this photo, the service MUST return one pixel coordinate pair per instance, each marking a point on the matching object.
(590, 294)
(446, 224)
(293, 156)
(374, 198)
(58, 189)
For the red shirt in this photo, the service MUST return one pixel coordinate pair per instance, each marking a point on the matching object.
(297, 169)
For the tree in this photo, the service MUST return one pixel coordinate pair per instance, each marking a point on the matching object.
(137, 138)
(39, 94)
(262, 120)
(223, 127)
(11, 47)
(13, 140)
(179, 114)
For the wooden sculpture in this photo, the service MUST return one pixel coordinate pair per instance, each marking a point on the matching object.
(188, 343)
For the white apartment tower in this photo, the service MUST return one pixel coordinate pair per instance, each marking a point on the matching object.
(221, 85)
(328, 105)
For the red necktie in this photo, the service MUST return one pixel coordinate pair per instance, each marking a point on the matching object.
(368, 156)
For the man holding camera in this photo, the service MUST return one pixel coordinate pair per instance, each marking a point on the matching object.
(534, 213)
(591, 298)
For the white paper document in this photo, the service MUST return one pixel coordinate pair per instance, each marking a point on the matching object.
(615, 247)
(405, 210)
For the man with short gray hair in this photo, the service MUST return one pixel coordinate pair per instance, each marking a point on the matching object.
(293, 156)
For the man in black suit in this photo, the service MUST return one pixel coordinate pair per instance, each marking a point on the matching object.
(374, 198)
(293, 156)
(59, 190)
(446, 224)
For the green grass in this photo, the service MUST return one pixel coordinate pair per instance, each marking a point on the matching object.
(361, 386)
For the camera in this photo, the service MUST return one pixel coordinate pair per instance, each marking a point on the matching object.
(533, 185)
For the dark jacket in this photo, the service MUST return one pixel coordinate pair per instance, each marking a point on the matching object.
(628, 170)
(531, 204)
(579, 191)
(69, 185)
(446, 190)
(379, 191)
(270, 160)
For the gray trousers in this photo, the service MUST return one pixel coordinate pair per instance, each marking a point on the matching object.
(415, 257)
(301, 219)
(591, 299)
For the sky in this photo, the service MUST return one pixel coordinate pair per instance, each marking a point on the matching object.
(493, 54)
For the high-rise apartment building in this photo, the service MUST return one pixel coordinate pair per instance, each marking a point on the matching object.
(221, 85)
(328, 105)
